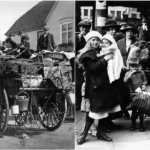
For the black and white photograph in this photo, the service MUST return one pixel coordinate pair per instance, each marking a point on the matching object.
(37, 82)
(75, 75)
(112, 75)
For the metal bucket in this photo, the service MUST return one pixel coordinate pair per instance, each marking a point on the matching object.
(22, 100)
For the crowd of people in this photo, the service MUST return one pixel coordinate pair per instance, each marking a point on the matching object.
(22, 49)
(108, 72)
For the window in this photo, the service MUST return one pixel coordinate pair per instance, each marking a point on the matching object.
(134, 15)
(112, 13)
(66, 32)
(118, 14)
(87, 13)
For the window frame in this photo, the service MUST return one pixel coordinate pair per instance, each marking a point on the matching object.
(65, 23)
(89, 16)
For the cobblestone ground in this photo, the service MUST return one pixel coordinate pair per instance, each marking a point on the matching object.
(62, 138)
(123, 138)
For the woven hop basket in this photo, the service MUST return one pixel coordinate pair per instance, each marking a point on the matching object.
(141, 101)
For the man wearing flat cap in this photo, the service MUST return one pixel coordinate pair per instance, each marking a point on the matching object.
(84, 27)
(46, 41)
(144, 31)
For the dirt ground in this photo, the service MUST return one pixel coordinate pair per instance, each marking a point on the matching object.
(62, 138)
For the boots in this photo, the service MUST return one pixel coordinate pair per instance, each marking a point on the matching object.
(100, 132)
(134, 116)
(109, 125)
(142, 129)
(83, 135)
(133, 126)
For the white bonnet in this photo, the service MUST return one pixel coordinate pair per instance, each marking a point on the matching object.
(108, 37)
(92, 34)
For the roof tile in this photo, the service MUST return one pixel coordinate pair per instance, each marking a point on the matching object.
(34, 18)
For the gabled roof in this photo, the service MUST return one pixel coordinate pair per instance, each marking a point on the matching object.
(35, 18)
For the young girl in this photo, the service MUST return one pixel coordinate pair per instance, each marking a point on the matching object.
(136, 80)
(114, 65)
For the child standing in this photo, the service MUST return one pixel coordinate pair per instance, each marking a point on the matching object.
(137, 81)
(115, 65)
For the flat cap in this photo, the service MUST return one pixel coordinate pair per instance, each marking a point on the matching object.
(85, 23)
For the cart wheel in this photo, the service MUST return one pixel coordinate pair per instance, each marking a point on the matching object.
(51, 118)
(20, 118)
(4, 111)
(33, 122)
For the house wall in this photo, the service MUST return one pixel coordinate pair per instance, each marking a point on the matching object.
(62, 12)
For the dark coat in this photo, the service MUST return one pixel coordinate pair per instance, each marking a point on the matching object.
(103, 96)
(49, 44)
(119, 36)
(122, 47)
(27, 52)
(143, 35)
(80, 43)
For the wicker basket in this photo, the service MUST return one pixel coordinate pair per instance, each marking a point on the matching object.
(22, 100)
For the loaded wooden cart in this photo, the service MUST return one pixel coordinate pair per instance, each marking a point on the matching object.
(35, 90)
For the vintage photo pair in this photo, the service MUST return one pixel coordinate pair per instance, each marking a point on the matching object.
(74, 75)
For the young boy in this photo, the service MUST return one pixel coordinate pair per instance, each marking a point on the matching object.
(137, 81)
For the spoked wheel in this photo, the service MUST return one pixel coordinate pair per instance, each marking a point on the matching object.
(4, 113)
(33, 122)
(20, 118)
(51, 117)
